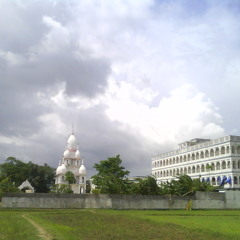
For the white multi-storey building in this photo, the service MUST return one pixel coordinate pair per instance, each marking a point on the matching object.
(216, 161)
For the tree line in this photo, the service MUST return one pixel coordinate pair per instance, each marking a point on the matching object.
(111, 178)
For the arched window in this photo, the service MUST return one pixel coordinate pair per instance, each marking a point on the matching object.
(208, 168)
(163, 162)
(234, 165)
(213, 181)
(223, 165)
(158, 164)
(229, 164)
(181, 171)
(170, 172)
(218, 166)
(167, 162)
(222, 150)
(198, 169)
(202, 168)
(185, 170)
(202, 154)
(197, 156)
(167, 173)
(233, 149)
(238, 149)
(173, 160)
(211, 153)
(170, 161)
(235, 180)
(217, 151)
(163, 173)
(177, 160)
(174, 172)
(180, 159)
(206, 153)
(177, 171)
(228, 149)
(189, 170)
(213, 167)
(189, 157)
(184, 158)
(160, 174)
(193, 156)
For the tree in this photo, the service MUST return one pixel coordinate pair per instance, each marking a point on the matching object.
(111, 177)
(185, 186)
(69, 177)
(145, 186)
(61, 188)
(40, 177)
(7, 186)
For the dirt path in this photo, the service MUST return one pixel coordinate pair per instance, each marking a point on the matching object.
(41, 232)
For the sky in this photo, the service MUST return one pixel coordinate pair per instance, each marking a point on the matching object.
(134, 77)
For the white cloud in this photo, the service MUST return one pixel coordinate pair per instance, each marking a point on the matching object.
(185, 114)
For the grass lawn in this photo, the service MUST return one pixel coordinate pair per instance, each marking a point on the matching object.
(121, 224)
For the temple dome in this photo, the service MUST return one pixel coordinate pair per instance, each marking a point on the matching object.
(72, 143)
(78, 155)
(66, 154)
(61, 170)
(82, 171)
(58, 170)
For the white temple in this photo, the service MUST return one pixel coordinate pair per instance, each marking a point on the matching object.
(72, 161)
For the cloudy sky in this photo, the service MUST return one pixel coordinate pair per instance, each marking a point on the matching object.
(134, 77)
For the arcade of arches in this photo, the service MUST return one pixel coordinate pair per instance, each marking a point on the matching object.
(208, 160)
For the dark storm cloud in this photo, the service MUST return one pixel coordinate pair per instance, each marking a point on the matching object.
(25, 72)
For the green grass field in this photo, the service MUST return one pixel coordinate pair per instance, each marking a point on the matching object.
(119, 224)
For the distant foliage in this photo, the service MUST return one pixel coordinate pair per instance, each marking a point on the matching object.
(40, 177)
(145, 186)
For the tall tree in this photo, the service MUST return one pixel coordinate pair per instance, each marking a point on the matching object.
(111, 177)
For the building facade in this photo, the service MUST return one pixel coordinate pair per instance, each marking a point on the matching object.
(72, 161)
(216, 161)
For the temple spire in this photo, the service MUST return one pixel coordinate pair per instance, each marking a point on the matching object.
(72, 129)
